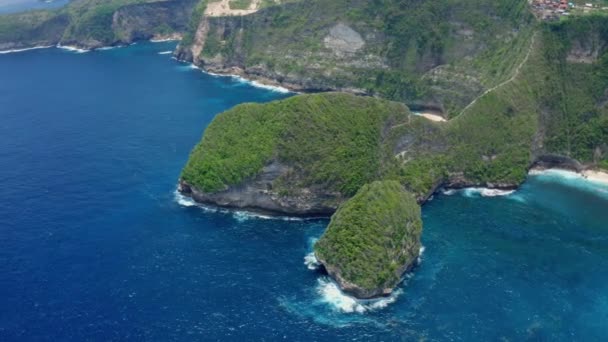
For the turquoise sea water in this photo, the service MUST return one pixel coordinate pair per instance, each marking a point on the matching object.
(95, 245)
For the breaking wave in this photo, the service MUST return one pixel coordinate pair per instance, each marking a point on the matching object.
(311, 262)
(238, 215)
(26, 49)
(165, 52)
(331, 294)
(478, 192)
(72, 48)
(253, 83)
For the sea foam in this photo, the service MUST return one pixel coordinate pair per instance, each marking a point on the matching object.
(331, 294)
(478, 192)
(256, 84)
(238, 215)
(71, 48)
(26, 49)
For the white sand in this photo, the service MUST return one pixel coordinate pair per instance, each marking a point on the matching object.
(433, 117)
(596, 176)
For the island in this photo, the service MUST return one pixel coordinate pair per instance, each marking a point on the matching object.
(372, 240)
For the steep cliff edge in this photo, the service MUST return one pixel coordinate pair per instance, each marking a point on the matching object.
(92, 24)
(372, 240)
(424, 53)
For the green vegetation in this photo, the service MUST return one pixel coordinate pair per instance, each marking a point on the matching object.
(240, 4)
(90, 23)
(372, 239)
(331, 139)
(475, 42)
(195, 20)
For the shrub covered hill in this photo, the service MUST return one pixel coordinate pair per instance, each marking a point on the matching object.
(545, 103)
(96, 23)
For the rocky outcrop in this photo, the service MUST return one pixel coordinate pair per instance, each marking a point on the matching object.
(151, 20)
(372, 240)
(259, 195)
(98, 25)
(35, 29)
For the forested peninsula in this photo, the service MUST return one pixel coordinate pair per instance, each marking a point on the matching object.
(506, 90)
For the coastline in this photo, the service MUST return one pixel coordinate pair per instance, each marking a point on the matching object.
(599, 177)
(3, 52)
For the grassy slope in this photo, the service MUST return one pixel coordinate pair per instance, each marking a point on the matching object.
(551, 107)
(372, 236)
(81, 22)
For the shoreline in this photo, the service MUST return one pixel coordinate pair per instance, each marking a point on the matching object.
(4, 52)
(272, 86)
(589, 175)
(596, 177)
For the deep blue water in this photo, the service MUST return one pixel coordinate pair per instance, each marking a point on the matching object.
(12, 6)
(94, 245)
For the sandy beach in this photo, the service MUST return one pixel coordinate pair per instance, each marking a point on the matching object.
(433, 117)
(596, 176)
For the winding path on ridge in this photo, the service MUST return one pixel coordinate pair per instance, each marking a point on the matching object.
(515, 74)
(502, 84)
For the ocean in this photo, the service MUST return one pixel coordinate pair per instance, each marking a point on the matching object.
(15, 6)
(95, 244)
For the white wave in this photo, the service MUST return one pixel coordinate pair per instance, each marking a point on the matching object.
(256, 84)
(242, 216)
(165, 52)
(573, 179)
(25, 49)
(72, 48)
(105, 48)
(331, 294)
(163, 40)
(311, 262)
(448, 192)
(422, 249)
(239, 215)
(184, 200)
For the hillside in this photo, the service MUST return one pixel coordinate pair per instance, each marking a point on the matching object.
(424, 53)
(551, 112)
(95, 23)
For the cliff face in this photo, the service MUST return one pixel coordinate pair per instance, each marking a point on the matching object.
(25, 30)
(90, 24)
(420, 52)
(152, 20)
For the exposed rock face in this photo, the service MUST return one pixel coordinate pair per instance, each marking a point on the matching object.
(258, 195)
(97, 28)
(145, 21)
(46, 32)
(586, 50)
(372, 240)
(343, 40)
